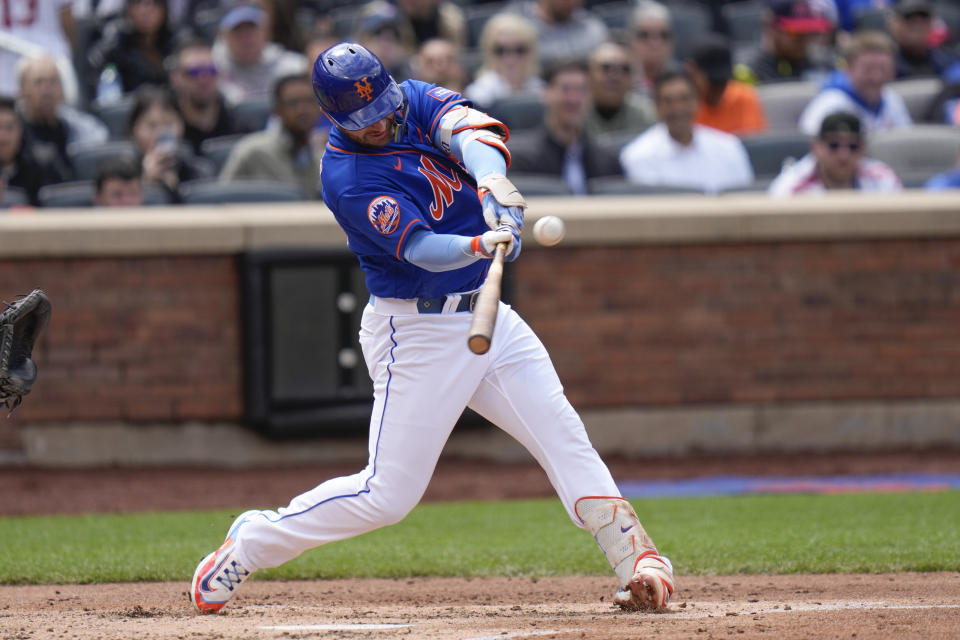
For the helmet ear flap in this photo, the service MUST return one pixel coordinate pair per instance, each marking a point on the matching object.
(404, 110)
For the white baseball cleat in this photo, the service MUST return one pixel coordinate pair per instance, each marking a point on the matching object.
(645, 576)
(650, 587)
(219, 574)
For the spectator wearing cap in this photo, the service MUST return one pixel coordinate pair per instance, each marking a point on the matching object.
(284, 151)
(136, 43)
(247, 62)
(724, 103)
(47, 120)
(836, 161)
(677, 152)
(786, 52)
(565, 30)
(381, 28)
(861, 88)
(195, 81)
(118, 182)
(21, 165)
(508, 45)
(918, 55)
(614, 107)
(651, 43)
(561, 147)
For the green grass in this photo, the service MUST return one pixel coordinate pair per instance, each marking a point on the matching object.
(759, 534)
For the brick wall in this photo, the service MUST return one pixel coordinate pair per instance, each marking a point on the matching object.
(748, 323)
(133, 339)
(157, 339)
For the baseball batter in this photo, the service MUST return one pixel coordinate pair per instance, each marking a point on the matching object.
(416, 178)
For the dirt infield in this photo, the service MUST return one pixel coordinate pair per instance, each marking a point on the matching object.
(783, 607)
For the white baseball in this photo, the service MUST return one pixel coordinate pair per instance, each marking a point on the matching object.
(549, 230)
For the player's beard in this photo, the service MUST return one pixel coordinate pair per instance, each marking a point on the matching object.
(377, 135)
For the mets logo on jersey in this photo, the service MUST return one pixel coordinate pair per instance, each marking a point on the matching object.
(364, 90)
(384, 214)
(443, 185)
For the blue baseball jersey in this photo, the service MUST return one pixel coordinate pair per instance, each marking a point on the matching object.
(381, 196)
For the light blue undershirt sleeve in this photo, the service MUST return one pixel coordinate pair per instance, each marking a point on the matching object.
(438, 251)
(480, 159)
(443, 251)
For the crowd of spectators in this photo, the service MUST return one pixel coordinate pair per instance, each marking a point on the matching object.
(139, 99)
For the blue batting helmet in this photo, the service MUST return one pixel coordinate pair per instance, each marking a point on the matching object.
(353, 87)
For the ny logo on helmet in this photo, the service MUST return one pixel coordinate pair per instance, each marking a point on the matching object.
(364, 90)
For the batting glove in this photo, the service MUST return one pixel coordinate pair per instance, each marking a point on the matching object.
(501, 201)
(484, 246)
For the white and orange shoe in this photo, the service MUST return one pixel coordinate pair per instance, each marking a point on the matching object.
(650, 587)
(219, 574)
(645, 576)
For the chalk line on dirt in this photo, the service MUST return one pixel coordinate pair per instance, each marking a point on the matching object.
(335, 627)
(718, 609)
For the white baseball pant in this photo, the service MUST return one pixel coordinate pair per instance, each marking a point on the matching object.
(423, 377)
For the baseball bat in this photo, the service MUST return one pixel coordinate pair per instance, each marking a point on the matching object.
(485, 308)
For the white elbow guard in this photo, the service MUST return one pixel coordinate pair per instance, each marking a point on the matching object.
(484, 129)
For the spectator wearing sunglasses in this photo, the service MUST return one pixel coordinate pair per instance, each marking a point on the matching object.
(508, 43)
(836, 161)
(195, 81)
(614, 107)
(792, 46)
(651, 43)
(565, 30)
(724, 103)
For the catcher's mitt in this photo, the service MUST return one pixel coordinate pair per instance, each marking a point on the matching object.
(21, 323)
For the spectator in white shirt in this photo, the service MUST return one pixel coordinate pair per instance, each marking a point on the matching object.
(862, 88)
(836, 161)
(676, 152)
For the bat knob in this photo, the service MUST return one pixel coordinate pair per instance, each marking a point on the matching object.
(478, 344)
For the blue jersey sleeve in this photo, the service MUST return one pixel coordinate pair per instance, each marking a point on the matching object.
(380, 223)
(428, 102)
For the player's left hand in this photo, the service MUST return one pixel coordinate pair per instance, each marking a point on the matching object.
(501, 201)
